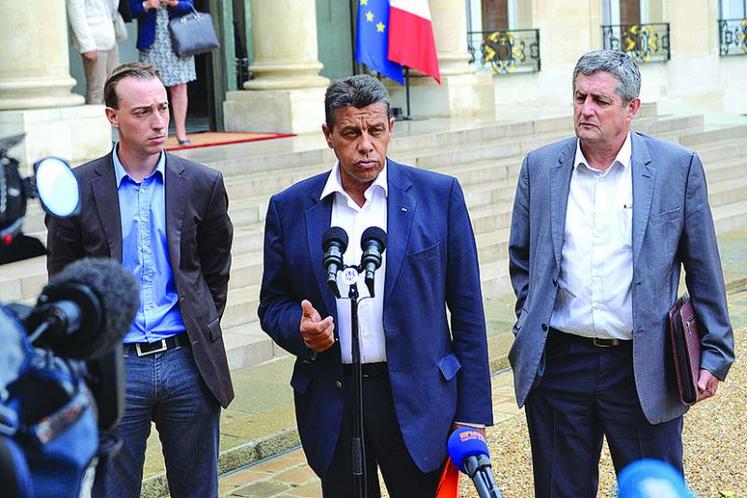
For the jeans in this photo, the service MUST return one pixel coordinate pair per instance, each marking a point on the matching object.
(167, 389)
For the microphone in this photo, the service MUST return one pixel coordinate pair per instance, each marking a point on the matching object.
(334, 244)
(469, 453)
(85, 310)
(373, 243)
(650, 478)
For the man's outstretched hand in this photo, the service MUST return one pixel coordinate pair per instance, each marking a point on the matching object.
(318, 334)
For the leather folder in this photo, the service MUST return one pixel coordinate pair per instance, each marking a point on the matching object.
(685, 339)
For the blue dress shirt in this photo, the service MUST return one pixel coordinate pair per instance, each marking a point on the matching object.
(145, 254)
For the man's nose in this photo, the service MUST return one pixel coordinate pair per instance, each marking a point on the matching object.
(365, 144)
(159, 120)
(587, 107)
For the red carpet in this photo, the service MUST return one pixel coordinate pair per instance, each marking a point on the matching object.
(210, 138)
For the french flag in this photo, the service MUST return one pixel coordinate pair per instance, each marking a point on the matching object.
(411, 41)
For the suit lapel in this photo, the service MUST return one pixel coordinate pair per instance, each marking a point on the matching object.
(560, 181)
(318, 218)
(176, 191)
(104, 187)
(400, 215)
(643, 174)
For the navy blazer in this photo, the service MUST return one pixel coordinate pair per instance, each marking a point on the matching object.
(146, 20)
(437, 375)
(672, 228)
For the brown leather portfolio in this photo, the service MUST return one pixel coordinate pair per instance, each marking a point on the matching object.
(685, 339)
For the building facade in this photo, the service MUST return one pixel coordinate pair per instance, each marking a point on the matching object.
(277, 57)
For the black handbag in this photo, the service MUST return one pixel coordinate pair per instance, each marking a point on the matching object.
(193, 34)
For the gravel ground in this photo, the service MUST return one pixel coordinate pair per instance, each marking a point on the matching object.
(715, 442)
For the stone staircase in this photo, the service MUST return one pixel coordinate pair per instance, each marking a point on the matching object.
(485, 156)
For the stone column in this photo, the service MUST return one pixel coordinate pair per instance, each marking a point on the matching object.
(462, 90)
(35, 86)
(287, 93)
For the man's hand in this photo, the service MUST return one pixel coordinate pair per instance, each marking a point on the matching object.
(90, 55)
(318, 334)
(707, 384)
(481, 430)
(170, 3)
(151, 4)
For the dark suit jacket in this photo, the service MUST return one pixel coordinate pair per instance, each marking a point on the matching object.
(437, 375)
(199, 235)
(672, 228)
(146, 20)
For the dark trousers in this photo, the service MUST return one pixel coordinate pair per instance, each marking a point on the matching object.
(587, 392)
(384, 447)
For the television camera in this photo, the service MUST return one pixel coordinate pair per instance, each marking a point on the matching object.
(61, 371)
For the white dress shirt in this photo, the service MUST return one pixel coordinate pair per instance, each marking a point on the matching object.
(354, 220)
(596, 269)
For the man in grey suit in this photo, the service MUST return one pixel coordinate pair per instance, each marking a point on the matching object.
(602, 225)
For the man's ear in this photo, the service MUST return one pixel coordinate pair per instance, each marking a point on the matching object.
(327, 134)
(111, 115)
(633, 107)
(391, 124)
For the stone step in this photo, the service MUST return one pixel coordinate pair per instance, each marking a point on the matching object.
(241, 306)
(713, 135)
(730, 216)
(727, 192)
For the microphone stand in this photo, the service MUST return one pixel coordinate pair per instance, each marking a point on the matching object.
(359, 452)
(350, 276)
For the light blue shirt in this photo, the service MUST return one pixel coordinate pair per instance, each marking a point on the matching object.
(145, 254)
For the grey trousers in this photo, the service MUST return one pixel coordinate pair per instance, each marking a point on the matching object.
(97, 71)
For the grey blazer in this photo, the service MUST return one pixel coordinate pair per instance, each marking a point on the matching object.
(672, 227)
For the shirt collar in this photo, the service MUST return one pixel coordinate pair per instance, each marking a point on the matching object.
(334, 183)
(622, 157)
(120, 172)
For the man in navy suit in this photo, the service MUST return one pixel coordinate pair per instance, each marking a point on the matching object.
(421, 375)
(602, 224)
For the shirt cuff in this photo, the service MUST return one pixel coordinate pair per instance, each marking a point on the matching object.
(468, 424)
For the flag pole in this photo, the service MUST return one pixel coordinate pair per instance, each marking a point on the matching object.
(407, 117)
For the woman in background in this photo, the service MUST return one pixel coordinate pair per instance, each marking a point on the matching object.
(154, 44)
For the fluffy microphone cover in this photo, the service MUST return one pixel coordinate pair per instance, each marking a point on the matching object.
(118, 296)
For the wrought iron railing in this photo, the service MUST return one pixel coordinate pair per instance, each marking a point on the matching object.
(732, 36)
(505, 52)
(643, 42)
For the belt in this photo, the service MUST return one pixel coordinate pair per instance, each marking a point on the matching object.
(368, 370)
(146, 348)
(598, 342)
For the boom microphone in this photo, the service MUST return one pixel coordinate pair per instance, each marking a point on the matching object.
(85, 310)
(469, 453)
(334, 244)
(373, 243)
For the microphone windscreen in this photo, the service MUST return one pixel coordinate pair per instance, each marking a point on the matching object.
(118, 297)
(465, 442)
(375, 233)
(335, 234)
(650, 478)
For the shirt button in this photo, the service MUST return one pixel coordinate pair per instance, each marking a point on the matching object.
(544, 327)
(338, 384)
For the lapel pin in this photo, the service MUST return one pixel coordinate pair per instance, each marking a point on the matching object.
(404, 209)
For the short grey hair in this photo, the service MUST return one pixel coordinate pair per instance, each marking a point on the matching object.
(618, 64)
(358, 91)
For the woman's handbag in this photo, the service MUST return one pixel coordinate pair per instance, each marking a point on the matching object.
(193, 34)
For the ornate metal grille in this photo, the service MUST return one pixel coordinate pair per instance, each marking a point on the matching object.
(505, 52)
(643, 42)
(732, 36)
